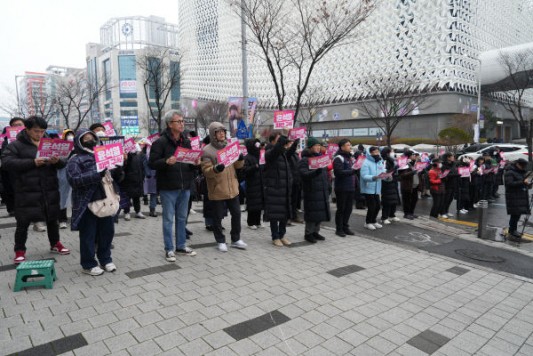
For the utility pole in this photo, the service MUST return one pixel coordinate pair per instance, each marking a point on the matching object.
(244, 63)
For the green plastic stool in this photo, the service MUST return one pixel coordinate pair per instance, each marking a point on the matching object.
(31, 269)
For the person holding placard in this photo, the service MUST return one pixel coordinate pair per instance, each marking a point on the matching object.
(345, 183)
(477, 171)
(315, 188)
(36, 186)
(463, 186)
(411, 182)
(390, 196)
(253, 174)
(437, 189)
(96, 233)
(450, 179)
(174, 180)
(8, 193)
(65, 189)
(222, 184)
(371, 171)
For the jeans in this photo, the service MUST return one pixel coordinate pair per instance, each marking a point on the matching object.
(153, 201)
(278, 228)
(234, 208)
(513, 223)
(344, 209)
(175, 204)
(373, 206)
(21, 233)
(99, 232)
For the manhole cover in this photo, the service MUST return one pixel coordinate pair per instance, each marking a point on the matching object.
(480, 256)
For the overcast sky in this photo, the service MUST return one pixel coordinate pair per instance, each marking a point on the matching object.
(37, 33)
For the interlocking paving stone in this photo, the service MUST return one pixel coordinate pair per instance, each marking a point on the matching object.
(152, 270)
(428, 341)
(55, 347)
(209, 244)
(256, 325)
(343, 271)
(458, 270)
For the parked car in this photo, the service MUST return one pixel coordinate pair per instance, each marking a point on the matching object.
(511, 151)
(473, 148)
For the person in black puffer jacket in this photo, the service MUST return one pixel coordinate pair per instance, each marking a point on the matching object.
(296, 191)
(463, 187)
(316, 192)
(132, 185)
(277, 177)
(516, 196)
(450, 181)
(36, 186)
(390, 197)
(345, 183)
(253, 173)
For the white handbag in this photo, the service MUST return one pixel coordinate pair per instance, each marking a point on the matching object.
(110, 204)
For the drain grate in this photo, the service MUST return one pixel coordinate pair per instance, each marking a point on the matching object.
(480, 256)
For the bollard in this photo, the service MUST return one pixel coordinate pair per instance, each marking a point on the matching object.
(482, 219)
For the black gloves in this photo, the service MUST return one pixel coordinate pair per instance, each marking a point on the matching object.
(102, 173)
(219, 168)
(241, 157)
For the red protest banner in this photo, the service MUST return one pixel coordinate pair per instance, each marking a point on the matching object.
(186, 155)
(50, 147)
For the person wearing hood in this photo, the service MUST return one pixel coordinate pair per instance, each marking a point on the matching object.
(222, 187)
(36, 186)
(174, 180)
(516, 196)
(372, 167)
(437, 189)
(315, 187)
(278, 184)
(95, 232)
(253, 174)
(345, 183)
(64, 187)
(390, 196)
(411, 182)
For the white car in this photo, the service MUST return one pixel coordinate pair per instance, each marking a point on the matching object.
(511, 151)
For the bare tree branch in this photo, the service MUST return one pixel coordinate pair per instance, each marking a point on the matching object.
(210, 112)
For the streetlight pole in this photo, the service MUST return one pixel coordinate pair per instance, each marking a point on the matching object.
(244, 62)
(18, 96)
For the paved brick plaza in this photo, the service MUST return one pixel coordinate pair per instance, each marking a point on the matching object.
(353, 295)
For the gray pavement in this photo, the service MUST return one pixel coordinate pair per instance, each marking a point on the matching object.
(360, 295)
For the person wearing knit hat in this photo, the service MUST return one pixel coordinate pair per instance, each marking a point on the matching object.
(311, 141)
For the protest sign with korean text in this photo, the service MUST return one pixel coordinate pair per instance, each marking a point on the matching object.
(54, 147)
(262, 156)
(12, 132)
(195, 143)
(385, 175)
(244, 150)
(107, 140)
(129, 145)
(283, 119)
(296, 133)
(319, 162)
(186, 155)
(152, 138)
(464, 172)
(108, 156)
(444, 174)
(420, 166)
(332, 149)
(359, 162)
(229, 154)
(402, 162)
(109, 129)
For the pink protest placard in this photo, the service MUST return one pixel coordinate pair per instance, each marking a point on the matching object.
(332, 149)
(109, 129)
(283, 119)
(244, 150)
(152, 138)
(129, 145)
(109, 156)
(195, 143)
(186, 155)
(402, 161)
(262, 156)
(50, 147)
(12, 132)
(503, 163)
(319, 162)
(464, 172)
(444, 174)
(420, 166)
(385, 175)
(297, 133)
(359, 163)
(229, 154)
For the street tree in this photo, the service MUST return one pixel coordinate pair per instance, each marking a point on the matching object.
(293, 36)
(41, 103)
(160, 78)
(515, 91)
(391, 101)
(209, 112)
(75, 98)
(309, 109)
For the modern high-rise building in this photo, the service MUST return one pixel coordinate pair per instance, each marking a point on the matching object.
(114, 63)
(432, 43)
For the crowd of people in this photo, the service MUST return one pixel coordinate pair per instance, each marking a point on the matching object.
(273, 179)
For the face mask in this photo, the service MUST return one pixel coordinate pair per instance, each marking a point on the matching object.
(377, 158)
(257, 144)
(439, 165)
(100, 134)
(89, 144)
(70, 138)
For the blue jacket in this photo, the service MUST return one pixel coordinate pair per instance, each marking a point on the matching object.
(370, 169)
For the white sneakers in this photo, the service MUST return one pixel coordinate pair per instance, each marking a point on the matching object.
(62, 225)
(370, 227)
(443, 216)
(39, 226)
(222, 247)
(378, 225)
(170, 256)
(95, 271)
(252, 227)
(463, 211)
(110, 267)
(239, 244)
(386, 222)
(127, 217)
(395, 219)
(140, 215)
